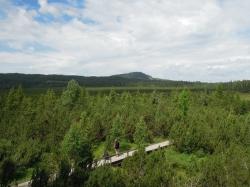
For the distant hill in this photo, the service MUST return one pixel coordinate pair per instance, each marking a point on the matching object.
(134, 79)
(8, 80)
(134, 75)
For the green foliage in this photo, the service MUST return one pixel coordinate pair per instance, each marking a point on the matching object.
(78, 177)
(40, 178)
(14, 99)
(55, 133)
(106, 177)
(229, 169)
(7, 172)
(184, 102)
(151, 170)
(141, 133)
(77, 147)
(72, 93)
(28, 153)
(194, 136)
(116, 131)
(213, 173)
(44, 172)
(5, 149)
(63, 176)
(237, 165)
(134, 169)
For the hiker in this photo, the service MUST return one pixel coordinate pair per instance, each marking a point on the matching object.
(116, 146)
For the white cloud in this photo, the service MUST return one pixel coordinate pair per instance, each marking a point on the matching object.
(174, 39)
(47, 8)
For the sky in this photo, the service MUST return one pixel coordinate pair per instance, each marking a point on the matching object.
(195, 40)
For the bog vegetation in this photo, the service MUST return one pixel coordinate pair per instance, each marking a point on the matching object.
(44, 136)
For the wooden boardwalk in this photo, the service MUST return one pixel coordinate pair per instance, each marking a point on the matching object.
(118, 158)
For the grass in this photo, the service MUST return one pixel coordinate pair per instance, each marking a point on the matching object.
(245, 96)
(99, 150)
(125, 146)
(185, 165)
(158, 139)
(183, 160)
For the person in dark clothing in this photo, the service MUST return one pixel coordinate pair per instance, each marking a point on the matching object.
(117, 147)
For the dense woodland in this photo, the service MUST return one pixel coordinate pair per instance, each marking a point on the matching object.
(44, 136)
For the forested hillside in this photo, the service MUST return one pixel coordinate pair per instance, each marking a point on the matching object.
(134, 79)
(7, 81)
(44, 136)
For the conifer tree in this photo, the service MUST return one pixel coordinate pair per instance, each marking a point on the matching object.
(77, 146)
(184, 103)
(141, 134)
(72, 93)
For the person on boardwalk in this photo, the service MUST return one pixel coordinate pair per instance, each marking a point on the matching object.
(116, 146)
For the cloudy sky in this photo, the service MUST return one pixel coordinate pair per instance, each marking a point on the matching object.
(205, 40)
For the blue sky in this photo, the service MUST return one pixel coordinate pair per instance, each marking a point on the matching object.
(35, 4)
(176, 39)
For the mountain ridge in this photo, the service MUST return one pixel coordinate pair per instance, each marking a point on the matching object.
(9, 80)
(134, 75)
(132, 79)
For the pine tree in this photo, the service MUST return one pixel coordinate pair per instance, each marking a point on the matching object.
(184, 103)
(72, 94)
(141, 134)
(116, 131)
(77, 146)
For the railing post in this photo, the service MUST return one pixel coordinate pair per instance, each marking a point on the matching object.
(95, 163)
